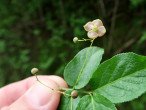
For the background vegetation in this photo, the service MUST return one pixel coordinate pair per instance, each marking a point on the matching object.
(39, 33)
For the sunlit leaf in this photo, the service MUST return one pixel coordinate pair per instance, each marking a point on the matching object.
(121, 78)
(73, 68)
(95, 102)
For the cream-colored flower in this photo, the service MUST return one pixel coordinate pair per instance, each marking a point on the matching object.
(75, 39)
(95, 29)
(34, 70)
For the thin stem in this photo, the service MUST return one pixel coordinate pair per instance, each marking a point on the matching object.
(83, 64)
(92, 101)
(71, 104)
(65, 89)
(81, 40)
(50, 87)
(85, 39)
(70, 89)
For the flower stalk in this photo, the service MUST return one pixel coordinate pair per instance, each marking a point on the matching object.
(94, 29)
(34, 73)
(83, 65)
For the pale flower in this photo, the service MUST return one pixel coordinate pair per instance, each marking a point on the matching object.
(34, 70)
(75, 39)
(95, 29)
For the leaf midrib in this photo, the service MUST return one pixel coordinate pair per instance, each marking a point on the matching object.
(71, 104)
(92, 102)
(92, 99)
(117, 80)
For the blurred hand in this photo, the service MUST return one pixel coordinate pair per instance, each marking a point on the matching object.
(29, 94)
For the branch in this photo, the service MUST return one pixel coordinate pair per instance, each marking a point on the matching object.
(113, 22)
(127, 44)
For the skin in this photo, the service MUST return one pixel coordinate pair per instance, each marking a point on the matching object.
(28, 94)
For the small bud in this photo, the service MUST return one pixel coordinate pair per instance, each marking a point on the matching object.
(74, 94)
(75, 39)
(34, 70)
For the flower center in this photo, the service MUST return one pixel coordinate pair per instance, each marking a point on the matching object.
(95, 28)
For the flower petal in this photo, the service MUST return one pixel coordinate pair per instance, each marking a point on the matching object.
(88, 26)
(101, 31)
(92, 34)
(97, 23)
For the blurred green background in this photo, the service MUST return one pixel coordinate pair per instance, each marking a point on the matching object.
(39, 33)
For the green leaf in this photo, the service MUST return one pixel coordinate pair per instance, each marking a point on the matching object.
(73, 68)
(95, 102)
(136, 2)
(68, 103)
(121, 78)
(2, 45)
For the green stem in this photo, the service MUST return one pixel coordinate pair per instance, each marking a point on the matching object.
(71, 104)
(70, 89)
(85, 39)
(83, 65)
(50, 87)
(92, 101)
(66, 89)
(81, 40)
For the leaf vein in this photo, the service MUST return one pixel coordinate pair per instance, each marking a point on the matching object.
(117, 80)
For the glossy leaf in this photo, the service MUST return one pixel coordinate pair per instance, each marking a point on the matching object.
(95, 102)
(73, 68)
(121, 78)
